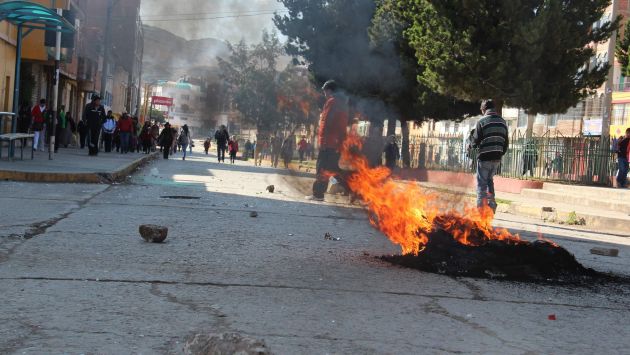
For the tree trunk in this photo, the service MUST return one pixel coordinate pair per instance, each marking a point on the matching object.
(373, 146)
(530, 125)
(391, 127)
(406, 158)
(498, 104)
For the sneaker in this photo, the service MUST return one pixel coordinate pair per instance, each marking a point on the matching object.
(314, 198)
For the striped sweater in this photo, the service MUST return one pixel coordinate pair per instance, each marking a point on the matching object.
(491, 137)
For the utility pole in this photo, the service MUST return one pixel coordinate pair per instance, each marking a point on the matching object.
(106, 50)
(603, 169)
(55, 93)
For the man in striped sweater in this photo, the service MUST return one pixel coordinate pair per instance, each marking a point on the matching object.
(491, 140)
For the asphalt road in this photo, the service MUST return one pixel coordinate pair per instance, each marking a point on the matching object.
(75, 277)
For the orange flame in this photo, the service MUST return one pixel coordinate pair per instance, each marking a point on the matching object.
(407, 214)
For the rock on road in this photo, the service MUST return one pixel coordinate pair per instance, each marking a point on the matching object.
(75, 276)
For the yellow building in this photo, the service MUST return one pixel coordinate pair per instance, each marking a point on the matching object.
(7, 70)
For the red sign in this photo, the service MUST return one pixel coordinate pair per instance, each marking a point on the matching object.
(162, 101)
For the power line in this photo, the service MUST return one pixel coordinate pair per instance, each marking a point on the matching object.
(214, 13)
(207, 18)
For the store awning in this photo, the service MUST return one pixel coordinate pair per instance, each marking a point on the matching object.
(31, 15)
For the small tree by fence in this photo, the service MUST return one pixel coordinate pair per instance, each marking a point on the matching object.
(551, 158)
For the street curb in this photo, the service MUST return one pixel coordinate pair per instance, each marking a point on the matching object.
(77, 178)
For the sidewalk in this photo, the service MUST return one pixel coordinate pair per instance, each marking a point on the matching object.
(74, 166)
(598, 209)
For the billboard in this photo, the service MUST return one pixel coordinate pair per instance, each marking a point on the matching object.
(161, 101)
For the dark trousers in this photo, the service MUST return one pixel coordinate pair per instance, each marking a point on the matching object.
(327, 167)
(93, 135)
(221, 153)
(107, 140)
(82, 138)
(59, 132)
(301, 155)
(125, 138)
(232, 157)
(166, 151)
(622, 175)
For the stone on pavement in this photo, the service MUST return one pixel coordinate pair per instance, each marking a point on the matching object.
(153, 233)
(605, 251)
(224, 344)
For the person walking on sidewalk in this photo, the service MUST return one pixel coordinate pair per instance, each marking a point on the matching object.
(623, 151)
(125, 127)
(206, 145)
(288, 146)
(39, 114)
(221, 136)
(184, 140)
(60, 128)
(333, 124)
(108, 131)
(165, 140)
(491, 138)
(302, 146)
(233, 149)
(93, 116)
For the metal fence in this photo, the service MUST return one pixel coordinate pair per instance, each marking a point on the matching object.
(563, 159)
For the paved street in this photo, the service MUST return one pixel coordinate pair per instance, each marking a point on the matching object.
(75, 277)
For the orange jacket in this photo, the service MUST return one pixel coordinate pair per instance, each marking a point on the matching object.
(333, 123)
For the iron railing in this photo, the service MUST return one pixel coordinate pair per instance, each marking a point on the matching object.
(551, 158)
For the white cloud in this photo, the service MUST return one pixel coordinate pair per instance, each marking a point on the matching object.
(194, 19)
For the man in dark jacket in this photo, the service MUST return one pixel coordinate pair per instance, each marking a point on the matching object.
(333, 126)
(623, 148)
(222, 137)
(93, 115)
(491, 138)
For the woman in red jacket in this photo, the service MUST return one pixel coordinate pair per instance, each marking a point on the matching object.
(233, 148)
(125, 127)
(39, 114)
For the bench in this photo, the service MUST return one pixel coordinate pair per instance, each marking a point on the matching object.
(10, 138)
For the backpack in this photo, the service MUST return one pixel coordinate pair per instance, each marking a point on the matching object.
(109, 126)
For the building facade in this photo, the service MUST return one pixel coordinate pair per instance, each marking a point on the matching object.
(188, 104)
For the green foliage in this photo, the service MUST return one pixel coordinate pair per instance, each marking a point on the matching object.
(157, 115)
(529, 54)
(360, 44)
(574, 220)
(250, 76)
(412, 99)
(622, 51)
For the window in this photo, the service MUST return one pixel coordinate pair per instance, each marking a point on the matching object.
(186, 97)
(552, 120)
(620, 112)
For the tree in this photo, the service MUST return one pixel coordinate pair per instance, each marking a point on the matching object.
(157, 115)
(368, 55)
(528, 54)
(251, 79)
(622, 51)
(298, 100)
(411, 100)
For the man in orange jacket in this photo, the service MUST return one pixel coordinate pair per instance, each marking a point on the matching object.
(333, 124)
